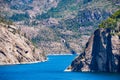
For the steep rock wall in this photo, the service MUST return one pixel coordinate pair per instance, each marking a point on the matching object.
(102, 53)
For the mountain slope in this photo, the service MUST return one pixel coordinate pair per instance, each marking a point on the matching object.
(48, 22)
(15, 48)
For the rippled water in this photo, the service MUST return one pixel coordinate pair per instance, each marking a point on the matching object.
(53, 69)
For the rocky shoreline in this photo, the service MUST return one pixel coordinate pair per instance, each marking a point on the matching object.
(23, 63)
(102, 54)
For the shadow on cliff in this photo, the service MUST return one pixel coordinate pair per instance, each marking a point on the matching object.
(110, 56)
(118, 67)
(95, 50)
(102, 57)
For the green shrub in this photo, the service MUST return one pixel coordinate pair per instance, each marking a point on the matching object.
(3, 20)
(111, 22)
(20, 17)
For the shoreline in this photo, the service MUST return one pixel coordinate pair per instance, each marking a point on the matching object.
(67, 70)
(60, 54)
(33, 62)
(22, 63)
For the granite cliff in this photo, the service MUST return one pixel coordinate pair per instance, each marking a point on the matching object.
(102, 53)
(15, 48)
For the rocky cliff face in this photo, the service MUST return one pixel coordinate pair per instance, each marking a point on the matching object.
(15, 48)
(102, 53)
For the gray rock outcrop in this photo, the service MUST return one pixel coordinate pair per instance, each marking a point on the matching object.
(102, 53)
(15, 48)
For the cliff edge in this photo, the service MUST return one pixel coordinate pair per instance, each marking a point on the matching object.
(102, 53)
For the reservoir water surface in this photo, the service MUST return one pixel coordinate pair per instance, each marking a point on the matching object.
(53, 69)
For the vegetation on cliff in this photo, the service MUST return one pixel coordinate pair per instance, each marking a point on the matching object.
(113, 22)
(5, 21)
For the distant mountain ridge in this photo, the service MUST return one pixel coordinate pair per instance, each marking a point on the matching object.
(48, 22)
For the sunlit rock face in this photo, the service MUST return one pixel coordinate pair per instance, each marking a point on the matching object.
(15, 48)
(102, 53)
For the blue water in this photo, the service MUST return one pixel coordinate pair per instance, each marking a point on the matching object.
(53, 69)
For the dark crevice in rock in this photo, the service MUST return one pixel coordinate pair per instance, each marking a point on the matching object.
(118, 63)
(19, 52)
(26, 52)
(95, 50)
(109, 54)
(2, 53)
(19, 48)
